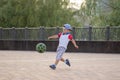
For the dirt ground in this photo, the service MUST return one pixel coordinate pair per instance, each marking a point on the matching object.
(31, 65)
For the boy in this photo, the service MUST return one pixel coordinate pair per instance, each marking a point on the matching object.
(64, 38)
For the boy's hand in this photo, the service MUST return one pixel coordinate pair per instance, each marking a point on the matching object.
(48, 38)
(76, 46)
(74, 43)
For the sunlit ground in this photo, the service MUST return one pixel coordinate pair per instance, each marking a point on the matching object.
(31, 65)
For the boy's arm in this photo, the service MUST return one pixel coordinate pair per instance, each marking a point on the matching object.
(54, 36)
(74, 43)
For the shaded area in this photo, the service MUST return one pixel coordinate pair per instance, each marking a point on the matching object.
(84, 46)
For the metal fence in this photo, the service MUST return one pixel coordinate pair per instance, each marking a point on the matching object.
(79, 34)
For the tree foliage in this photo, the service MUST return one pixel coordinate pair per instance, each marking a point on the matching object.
(35, 13)
(100, 12)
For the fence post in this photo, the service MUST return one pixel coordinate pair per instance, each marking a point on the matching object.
(57, 30)
(39, 33)
(26, 33)
(73, 31)
(90, 33)
(107, 33)
(13, 33)
(1, 33)
(42, 32)
(26, 38)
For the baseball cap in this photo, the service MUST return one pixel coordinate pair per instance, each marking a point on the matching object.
(68, 26)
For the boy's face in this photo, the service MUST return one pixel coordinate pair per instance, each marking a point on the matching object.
(65, 30)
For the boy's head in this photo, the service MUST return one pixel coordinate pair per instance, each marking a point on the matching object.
(67, 27)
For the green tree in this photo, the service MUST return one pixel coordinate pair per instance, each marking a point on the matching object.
(100, 12)
(114, 19)
(35, 13)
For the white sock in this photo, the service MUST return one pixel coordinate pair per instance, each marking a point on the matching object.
(54, 64)
(65, 61)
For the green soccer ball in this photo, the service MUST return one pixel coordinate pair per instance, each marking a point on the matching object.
(41, 47)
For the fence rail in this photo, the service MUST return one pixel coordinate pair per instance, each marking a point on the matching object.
(79, 34)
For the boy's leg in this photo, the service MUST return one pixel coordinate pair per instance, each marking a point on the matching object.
(60, 52)
(56, 62)
(62, 59)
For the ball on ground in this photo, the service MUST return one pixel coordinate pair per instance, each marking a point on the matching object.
(41, 47)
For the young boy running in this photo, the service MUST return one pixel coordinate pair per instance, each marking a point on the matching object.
(64, 38)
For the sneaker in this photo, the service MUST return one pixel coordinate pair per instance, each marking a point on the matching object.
(52, 67)
(68, 62)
